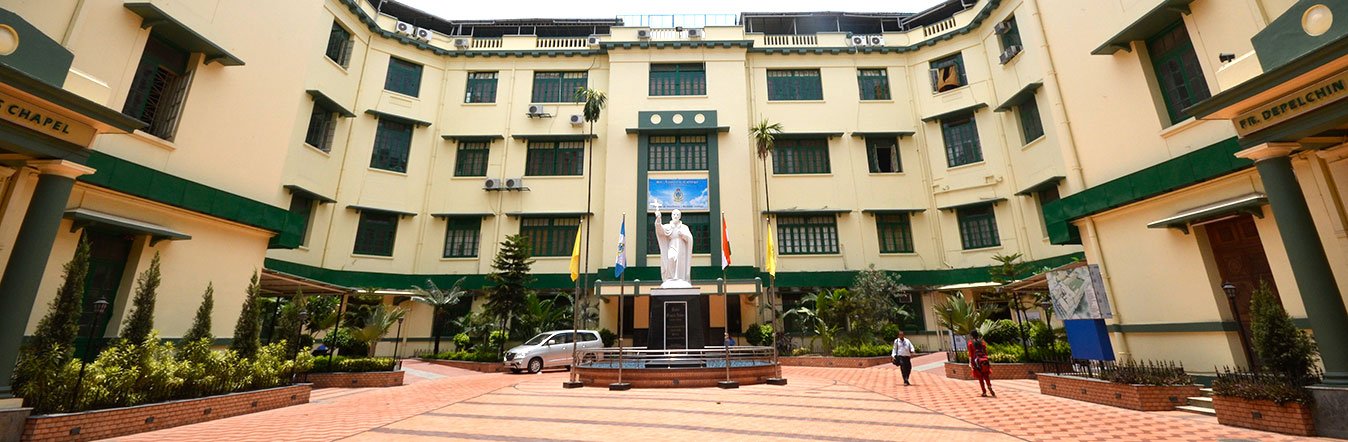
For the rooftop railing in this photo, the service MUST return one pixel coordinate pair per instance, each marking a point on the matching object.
(486, 43)
(790, 40)
(561, 43)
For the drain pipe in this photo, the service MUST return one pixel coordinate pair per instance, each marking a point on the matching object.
(1093, 240)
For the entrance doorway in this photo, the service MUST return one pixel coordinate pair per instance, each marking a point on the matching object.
(1241, 261)
(108, 253)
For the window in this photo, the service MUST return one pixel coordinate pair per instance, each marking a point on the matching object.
(808, 155)
(159, 88)
(883, 154)
(794, 84)
(558, 87)
(947, 73)
(392, 141)
(404, 77)
(461, 237)
(1011, 36)
(677, 152)
(874, 84)
(471, 159)
(339, 45)
(481, 88)
(807, 235)
(302, 207)
(555, 158)
(961, 141)
(896, 233)
(698, 223)
(551, 236)
(678, 79)
(1177, 70)
(978, 227)
(1030, 126)
(1045, 196)
(322, 127)
(375, 233)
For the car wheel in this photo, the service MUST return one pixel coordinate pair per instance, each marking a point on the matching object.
(535, 365)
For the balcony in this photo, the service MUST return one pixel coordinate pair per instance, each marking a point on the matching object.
(561, 43)
(783, 40)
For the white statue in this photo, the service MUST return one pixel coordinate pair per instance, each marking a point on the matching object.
(676, 250)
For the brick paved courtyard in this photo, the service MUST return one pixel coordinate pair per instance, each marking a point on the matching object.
(830, 404)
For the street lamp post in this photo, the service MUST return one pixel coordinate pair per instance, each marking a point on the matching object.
(398, 340)
(950, 356)
(100, 306)
(299, 331)
(1231, 292)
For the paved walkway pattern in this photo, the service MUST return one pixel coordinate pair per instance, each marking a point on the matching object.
(828, 404)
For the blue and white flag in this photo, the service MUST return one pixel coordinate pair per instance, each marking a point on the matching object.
(620, 263)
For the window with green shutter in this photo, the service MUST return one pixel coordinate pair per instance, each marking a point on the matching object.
(392, 144)
(677, 152)
(550, 236)
(678, 79)
(805, 155)
(471, 158)
(322, 128)
(883, 154)
(481, 87)
(375, 233)
(794, 84)
(1030, 126)
(404, 77)
(550, 158)
(1177, 71)
(807, 235)
(558, 87)
(874, 84)
(339, 45)
(462, 236)
(302, 207)
(159, 87)
(699, 224)
(947, 73)
(961, 141)
(895, 232)
(978, 227)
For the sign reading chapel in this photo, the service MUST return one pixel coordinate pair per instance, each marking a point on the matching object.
(24, 113)
(1293, 105)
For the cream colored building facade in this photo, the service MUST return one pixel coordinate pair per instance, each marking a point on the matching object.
(247, 132)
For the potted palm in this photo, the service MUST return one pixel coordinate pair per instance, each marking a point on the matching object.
(438, 300)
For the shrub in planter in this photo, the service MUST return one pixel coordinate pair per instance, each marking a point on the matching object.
(608, 337)
(889, 332)
(801, 351)
(479, 355)
(351, 365)
(1004, 331)
(1145, 373)
(462, 341)
(759, 335)
(862, 351)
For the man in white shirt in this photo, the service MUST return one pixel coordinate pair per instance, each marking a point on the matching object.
(903, 356)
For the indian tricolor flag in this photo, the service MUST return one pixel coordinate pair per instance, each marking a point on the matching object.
(725, 244)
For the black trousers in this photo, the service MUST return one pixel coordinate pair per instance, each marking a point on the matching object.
(905, 366)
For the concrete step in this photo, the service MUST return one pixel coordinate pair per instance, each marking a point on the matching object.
(1197, 410)
(1207, 392)
(1201, 402)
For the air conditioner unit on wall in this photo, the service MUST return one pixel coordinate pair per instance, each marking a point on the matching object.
(592, 41)
(857, 40)
(1001, 28)
(696, 33)
(644, 34)
(491, 184)
(515, 184)
(462, 43)
(404, 28)
(1009, 53)
(536, 110)
(422, 34)
(875, 40)
(577, 119)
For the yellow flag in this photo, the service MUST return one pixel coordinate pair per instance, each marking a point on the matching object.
(575, 257)
(772, 252)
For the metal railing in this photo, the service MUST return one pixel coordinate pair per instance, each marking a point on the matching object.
(486, 43)
(711, 357)
(938, 27)
(790, 40)
(679, 20)
(561, 43)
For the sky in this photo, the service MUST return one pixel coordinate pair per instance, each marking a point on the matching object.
(609, 8)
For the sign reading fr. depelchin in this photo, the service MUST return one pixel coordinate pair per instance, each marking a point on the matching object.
(1293, 105)
(677, 193)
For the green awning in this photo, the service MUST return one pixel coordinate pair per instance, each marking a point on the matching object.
(807, 211)
(473, 137)
(84, 217)
(676, 131)
(1042, 185)
(463, 215)
(895, 134)
(376, 209)
(891, 211)
(1248, 203)
(297, 190)
(397, 118)
(796, 135)
(1146, 26)
(328, 103)
(175, 31)
(972, 204)
(554, 137)
(954, 113)
(543, 214)
(1019, 97)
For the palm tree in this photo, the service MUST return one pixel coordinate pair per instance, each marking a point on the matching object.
(595, 101)
(542, 314)
(765, 138)
(960, 316)
(381, 318)
(438, 300)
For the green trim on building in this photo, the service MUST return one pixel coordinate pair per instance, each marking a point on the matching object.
(39, 88)
(39, 56)
(677, 44)
(1150, 23)
(1201, 165)
(136, 180)
(1285, 40)
(351, 278)
(180, 34)
(973, 24)
(1190, 327)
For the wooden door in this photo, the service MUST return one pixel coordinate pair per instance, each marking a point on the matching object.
(1241, 261)
(108, 253)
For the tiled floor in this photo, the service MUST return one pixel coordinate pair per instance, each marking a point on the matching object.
(830, 404)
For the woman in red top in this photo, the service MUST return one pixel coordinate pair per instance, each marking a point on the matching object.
(979, 363)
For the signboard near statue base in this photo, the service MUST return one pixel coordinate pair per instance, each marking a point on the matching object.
(677, 321)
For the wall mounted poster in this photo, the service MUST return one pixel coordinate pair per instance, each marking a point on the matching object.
(677, 193)
(1078, 293)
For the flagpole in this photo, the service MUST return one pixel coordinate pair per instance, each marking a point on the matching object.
(575, 317)
(620, 266)
(725, 262)
(772, 304)
(621, 279)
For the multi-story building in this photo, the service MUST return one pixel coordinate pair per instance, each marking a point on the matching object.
(348, 144)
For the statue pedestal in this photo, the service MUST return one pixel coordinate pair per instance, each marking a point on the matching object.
(678, 319)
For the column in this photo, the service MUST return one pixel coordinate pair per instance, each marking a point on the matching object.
(1310, 267)
(28, 260)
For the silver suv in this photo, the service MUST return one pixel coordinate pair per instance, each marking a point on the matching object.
(550, 349)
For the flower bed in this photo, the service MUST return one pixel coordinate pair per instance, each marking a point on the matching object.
(354, 380)
(485, 367)
(834, 361)
(1131, 396)
(1290, 418)
(960, 370)
(113, 422)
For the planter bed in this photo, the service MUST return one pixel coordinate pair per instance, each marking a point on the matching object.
(1289, 418)
(961, 370)
(354, 379)
(832, 361)
(675, 378)
(1130, 396)
(113, 422)
(485, 367)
